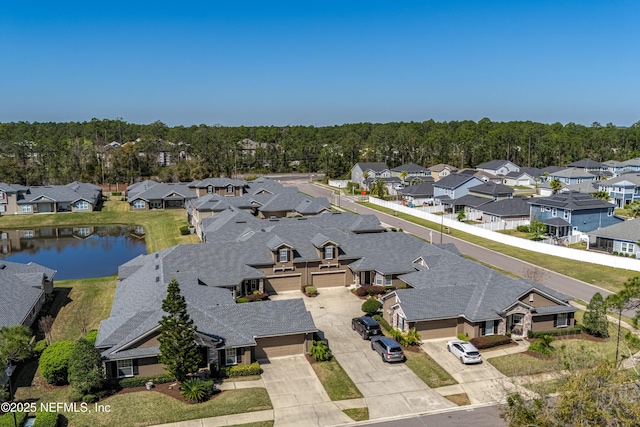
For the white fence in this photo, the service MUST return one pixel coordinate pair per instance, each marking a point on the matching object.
(555, 250)
(503, 225)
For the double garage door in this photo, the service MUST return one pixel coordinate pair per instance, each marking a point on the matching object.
(437, 328)
(279, 346)
(326, 280)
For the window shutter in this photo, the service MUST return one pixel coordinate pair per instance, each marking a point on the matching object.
(495, 326)
(555, 320)
(114, 369)
(135, 366)
(483, 328)
(238, 355)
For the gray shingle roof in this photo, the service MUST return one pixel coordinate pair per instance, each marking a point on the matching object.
(556, 222)
(628, 231)
(69, 193)
(453, 180)
(572, 173)
(491, 188)
(20, 288)
(572, 201)
(423, 189)
(517, 206)
(493, 164)
(152, 190)
(411, 167)
(374, 166)
(585, 163)
(471, 201)
(217, 183)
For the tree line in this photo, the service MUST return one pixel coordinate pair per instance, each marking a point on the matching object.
(58, 153)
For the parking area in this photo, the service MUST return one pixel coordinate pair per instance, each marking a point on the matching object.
(390, 389)
(481, 382)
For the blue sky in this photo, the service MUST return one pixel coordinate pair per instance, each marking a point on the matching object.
(321, 62)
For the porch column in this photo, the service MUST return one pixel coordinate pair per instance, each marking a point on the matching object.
(261, 285)
(356, 278)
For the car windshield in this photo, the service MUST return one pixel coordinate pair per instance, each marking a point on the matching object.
(473, 353)
(395, 350)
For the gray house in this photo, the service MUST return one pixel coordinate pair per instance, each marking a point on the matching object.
(159, 195)
(622, 238)
(498, 167)
(363, 170)
(454, 186)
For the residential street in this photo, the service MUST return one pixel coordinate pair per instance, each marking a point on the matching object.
(559, 282)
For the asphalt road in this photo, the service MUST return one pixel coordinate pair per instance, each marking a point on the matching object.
(573, 287)
(486, 416)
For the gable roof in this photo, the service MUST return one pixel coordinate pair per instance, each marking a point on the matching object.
(454, 180)
(411, 167)
(628, 230)
(69, 193)
(21, 288)
(571, 200)
(442, 166)
(374, 166)
(153, 190)
(573, 173)
(585, 163)
(423, 189)
(217, 183)
(471, 201)
(516, 206)
(494, 164)
(491, 188)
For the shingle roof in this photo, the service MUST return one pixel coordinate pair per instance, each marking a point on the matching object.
(471, 201)
(374, 166)
(217, 183)
(494, 164)
(453, 180)
(152, 190)
(572, 173)
(585, 163)
(21, 288)
(556, 222)
(626, 230)
(69, 193)
(423, 189)
(491, 188)
(441, 166)
(517, 206)
(411, 167)
(572, 201)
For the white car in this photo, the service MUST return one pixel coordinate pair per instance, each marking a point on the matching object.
(464, 351)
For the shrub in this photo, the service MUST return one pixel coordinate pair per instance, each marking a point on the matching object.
(240, 370)
(76, 396)
(54, 362)
(116, 193)
(626, 255)
(140, 381)
(91, 336)
(371, 306)
(242, 299)
(543, 345)
(89, 398)
(383, 322)
(195, 390)
(523, 228)
(556, 332)
(257, 296)
(7, 419)
(633, 256)
(46, 419)
(615, 252)
(489, 341)
(311, 290)
(463, 337)
(39, 347)
(370, 290)
(410, 338)
(85, 372)
(320, 351)
(184, 230)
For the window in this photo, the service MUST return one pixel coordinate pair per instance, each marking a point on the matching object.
(610, 212)
(562, 320)
(229, 188)
(231, 356)
(1, 195)
(518, 319)
(209, 189)
(125, 368)
(387, 280)
(490, 327)
(401, 323)
(283, 255)
(379, 279)
(26, 208)
(84, 231)
(328, 252)
(138, 204)
(565, 214)
(28, 234)
(82, 205)
(627, 247)
(554, 212)
(494, 218)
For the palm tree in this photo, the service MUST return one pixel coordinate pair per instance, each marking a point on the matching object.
(380, 188)
(602, 195)
(403, 176)
(556, 185)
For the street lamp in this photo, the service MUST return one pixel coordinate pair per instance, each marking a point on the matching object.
(9, 372)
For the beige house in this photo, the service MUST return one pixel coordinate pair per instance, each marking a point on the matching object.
(75, 197)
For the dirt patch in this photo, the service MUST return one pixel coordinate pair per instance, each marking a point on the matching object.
(580, 337)
(537, 355)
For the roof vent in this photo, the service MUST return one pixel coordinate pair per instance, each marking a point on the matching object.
(157, 279)
(157, 266)
(156, 255)
(3, 266)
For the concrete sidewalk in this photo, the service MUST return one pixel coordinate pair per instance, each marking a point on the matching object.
(226, 420)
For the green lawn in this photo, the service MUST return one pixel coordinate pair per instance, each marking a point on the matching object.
(519, 364)
(428, 370)
(335, 380)
(605, 277)
(357, 414)
(162, 227)
(460, 399)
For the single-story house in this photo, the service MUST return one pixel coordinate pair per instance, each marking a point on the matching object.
(221, 186)
(159, 195)
(492, 191)
(520, 178)
(515, 209)
(75, 197)
(418, 194)
(622, 237)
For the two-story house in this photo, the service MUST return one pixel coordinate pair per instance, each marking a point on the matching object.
(498, 167)
(412, 171)
(623, 190)
(441, 170)
(453, 187)
(568, 213)
(572, 176)
(492, 191)
(363, 170)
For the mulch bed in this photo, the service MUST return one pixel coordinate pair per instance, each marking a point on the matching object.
(537, 355)
(164, 389)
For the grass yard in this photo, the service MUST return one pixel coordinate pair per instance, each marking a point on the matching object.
(256, 424)
(357, 414)
(335, 380)
(428, 370)
(162, 227)
(519, 364)
(544, 388)
(605, 277)
(459, 399)
(80, 305)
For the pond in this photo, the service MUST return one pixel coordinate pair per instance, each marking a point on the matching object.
(75, 252)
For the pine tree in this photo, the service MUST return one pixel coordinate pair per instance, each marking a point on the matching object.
(178, 351)
(595, 318)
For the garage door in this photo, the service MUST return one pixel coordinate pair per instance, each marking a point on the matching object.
(326, 280)
(437, 328)
(283, 283)
(279, 346)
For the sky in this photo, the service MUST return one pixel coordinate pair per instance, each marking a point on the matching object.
(320, 63)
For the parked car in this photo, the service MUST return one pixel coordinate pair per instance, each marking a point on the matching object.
(388, 348)
(464, 351)
(366, 327)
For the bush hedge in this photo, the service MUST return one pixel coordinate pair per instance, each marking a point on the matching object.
(489, 341)
(140, 381)
(7, 419)
(370, 290)
(91, 336)
(46, 419)
(39, 347)
(371, 306)
(463, 337)
(523, 229)
(184, 230)
(54, 362)
(311, 290)
(382, 322)
(240, 370)
(555, 332)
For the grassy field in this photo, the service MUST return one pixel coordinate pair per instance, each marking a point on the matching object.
(80, 305)
(605, 277)
(428, 370)
(162, 227)
(459, 399)
(335, 380)
(357, 414)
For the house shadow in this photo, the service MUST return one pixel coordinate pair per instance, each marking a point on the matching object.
(60, 299)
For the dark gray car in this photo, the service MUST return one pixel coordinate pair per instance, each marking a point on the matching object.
(388, 348)
(366, 327)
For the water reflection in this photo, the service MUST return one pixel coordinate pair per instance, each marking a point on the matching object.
(76, 252)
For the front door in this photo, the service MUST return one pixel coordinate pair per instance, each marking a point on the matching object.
(367, 278)
(516, 324)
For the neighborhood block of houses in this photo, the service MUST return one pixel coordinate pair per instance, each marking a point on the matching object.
(17, 199)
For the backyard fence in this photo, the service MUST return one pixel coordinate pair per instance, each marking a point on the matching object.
(555, 250)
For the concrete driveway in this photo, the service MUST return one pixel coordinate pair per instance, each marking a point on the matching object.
(389, 389)
(297, 395)
(482, 382)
